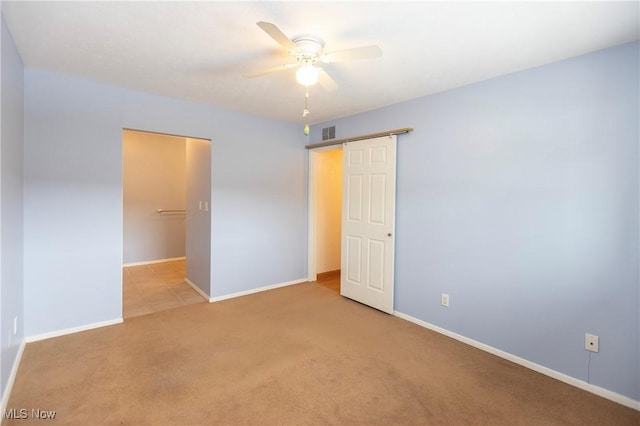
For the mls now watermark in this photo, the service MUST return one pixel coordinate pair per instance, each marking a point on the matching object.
(23, 413)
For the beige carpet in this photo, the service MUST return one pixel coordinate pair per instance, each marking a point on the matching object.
(299, 355)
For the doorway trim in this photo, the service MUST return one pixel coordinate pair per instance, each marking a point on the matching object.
(206, 209)
(313, 149)
(312, 238)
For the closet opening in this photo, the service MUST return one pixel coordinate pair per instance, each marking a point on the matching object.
(325, 208)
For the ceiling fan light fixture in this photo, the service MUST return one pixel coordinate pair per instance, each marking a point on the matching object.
(307, 75)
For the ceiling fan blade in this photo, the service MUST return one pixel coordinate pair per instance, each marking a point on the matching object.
(326, 82)
(270, 70)
(275, 33)
(364, 52)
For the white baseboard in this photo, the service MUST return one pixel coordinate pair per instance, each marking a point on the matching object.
(196, 288)
(72, 330)
(151, 262)
(12, 377)
(605, 393)
(256, 290)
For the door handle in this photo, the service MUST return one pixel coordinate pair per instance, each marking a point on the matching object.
(389, 234)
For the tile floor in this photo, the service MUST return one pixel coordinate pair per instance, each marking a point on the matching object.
(156, 287)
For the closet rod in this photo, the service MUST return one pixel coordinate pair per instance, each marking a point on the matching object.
(359, 138)
(160, 211)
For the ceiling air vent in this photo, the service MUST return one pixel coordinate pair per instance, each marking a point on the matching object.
(328, 133)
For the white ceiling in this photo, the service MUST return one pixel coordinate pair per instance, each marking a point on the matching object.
(199, 50)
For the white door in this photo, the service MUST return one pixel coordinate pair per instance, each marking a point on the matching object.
(368, 220)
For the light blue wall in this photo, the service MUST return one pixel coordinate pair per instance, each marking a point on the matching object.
(11, 140)
(73, 196)
(198, 155)
(518, 196)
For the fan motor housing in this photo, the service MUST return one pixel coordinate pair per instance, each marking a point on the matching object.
(307, 45)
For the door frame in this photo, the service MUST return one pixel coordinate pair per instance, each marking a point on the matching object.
(312, 239)
(206, 295)
(312, 267)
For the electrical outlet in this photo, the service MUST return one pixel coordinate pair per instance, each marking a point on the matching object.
(445, 299)
(591, 342)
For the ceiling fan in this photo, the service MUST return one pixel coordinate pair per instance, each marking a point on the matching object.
(308, 52)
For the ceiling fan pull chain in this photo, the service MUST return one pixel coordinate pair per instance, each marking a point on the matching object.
(306, 112)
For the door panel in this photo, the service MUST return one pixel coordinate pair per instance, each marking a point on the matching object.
(354, 259)
(368, 221)
(377, 201)
(354, 193)
(376, 265)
